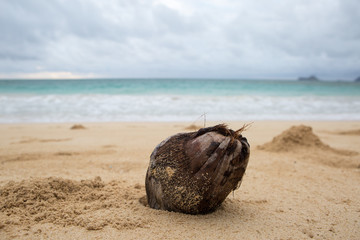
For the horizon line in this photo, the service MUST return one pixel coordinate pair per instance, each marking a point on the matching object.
(177, 78)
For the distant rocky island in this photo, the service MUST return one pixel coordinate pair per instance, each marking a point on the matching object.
(312, 78)
(357, 79)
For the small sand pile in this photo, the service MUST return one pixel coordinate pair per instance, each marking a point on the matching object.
(350, 132)
(77, 127)
(294, 138)
(91, 204)
(192, 127)
(301, 140)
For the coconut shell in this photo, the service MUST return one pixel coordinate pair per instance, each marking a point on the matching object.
(194, 172)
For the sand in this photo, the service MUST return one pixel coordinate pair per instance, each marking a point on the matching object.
(302, 182)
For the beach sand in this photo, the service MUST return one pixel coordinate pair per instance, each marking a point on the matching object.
(88, 183)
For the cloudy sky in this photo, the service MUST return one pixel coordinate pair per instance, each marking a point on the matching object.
(169, 38)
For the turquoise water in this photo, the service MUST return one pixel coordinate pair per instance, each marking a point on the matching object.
(99, 100)
(217, 87)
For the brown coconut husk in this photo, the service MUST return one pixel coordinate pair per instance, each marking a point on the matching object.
(194, 172)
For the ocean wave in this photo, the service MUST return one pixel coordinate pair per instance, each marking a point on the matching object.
(102, 107)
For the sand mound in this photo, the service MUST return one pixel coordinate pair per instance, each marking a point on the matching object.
(351, 132)
(302, 140)
(77, 127)
(192, 127)
(294, 138)
(91, 204)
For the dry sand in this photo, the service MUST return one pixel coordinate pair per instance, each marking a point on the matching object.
(59, 183)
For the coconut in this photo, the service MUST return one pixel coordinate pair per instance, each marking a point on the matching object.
(194, 172)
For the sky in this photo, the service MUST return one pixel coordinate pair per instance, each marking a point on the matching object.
(180, 39)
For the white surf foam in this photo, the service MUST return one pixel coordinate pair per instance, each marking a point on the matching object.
(99, 108)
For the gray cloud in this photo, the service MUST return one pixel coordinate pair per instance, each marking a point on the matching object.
(172, 38)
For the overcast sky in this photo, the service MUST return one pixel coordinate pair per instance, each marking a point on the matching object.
(168, 38)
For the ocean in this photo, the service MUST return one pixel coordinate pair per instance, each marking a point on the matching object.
(111, 100)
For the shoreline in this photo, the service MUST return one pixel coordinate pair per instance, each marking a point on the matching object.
(199, 122)
(302, 193)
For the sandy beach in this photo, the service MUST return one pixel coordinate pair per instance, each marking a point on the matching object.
(88, 183)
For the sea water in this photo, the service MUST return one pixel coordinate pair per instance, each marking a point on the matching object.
(100, 100)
